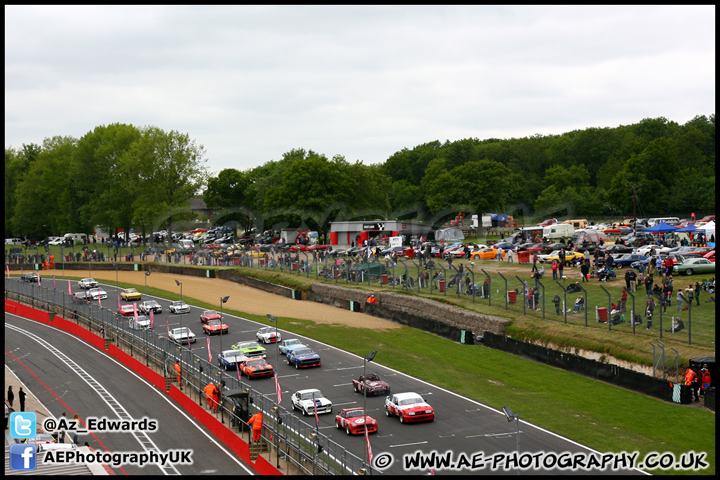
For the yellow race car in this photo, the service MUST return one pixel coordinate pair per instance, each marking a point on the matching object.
(569, 257)
(130, 294)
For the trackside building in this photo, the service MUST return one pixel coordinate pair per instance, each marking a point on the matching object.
(343, 234)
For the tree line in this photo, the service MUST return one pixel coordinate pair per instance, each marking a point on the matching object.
(121, 176)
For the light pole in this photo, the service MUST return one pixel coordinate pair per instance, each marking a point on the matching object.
(277, 408)
(510, 417)
(222, 300)
(368, 358)
(179, 284)
(147, 274)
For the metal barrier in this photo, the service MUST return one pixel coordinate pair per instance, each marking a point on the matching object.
(301, 446)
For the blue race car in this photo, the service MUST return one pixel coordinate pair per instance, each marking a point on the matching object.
(230, 358)
(303, 357)
(291, 343)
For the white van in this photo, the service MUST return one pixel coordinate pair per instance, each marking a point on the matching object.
(76, 237)
(558, 230)
(668, 220)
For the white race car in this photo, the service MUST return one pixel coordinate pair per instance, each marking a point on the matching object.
(179, 306)
(181, 335)
(88, 283)
(303, 400)
(96, 293)
(267, 335)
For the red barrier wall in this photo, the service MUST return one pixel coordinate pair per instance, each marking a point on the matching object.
(226, 436)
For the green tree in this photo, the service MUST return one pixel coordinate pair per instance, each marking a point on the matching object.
(229, 190)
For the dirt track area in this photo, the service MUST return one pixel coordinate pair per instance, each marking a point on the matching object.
(242, 298)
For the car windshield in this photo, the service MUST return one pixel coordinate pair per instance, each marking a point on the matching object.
(248, 345)
(210, 312)
(309, 395)
(294, 341)
(214, 322)
(267, 330)
(354, 413)
(372, 378)
(302, 351)
(410, 401)
(256, 363)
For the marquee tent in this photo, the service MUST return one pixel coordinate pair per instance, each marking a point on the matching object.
(661, 227)
(689, 228)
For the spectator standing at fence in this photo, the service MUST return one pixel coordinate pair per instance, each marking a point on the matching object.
(554, 268)
(510, 256)
(534, 259)
(698, 288)
(556, 301)
(623, 300)
(178, 371)
(585, 269)
(10, 396)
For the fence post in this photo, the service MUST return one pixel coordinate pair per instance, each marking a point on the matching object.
(632, 312)
(585, 303)
(506, 288)
(524, 284)
(565, 303)
(609, 307)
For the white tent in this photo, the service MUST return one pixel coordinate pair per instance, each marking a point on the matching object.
(708, 228)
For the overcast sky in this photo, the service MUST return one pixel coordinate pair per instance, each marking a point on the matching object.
(250, 83)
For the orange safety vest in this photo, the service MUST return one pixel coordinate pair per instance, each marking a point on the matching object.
(689, 376)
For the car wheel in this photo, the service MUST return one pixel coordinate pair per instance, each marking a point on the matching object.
(305, 412)
(293, 406)
(689, 271)
(297, 365)
(347, 429)
(337, 424)
(619, 266)
(401, 419)
(387, 412)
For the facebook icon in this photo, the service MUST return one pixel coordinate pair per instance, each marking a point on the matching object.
(23, 456)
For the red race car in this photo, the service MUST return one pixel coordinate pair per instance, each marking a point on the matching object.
(208, 315)
(353, 421)
(409, 407)
(215, 326)
(374, 385)
(126, 310)
(256, 368)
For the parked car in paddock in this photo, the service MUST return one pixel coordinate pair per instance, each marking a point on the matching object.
(182, 335)
(486, 254)
(569, 257)
(256, 368)
(130, 294)
(215, 327)
(250, 349)
(310, 401)
(97, 293)
(372, 384)
(88, 283)
(178, 307)
(208, 315)
(353, 421)
(228, 359)
(267, 335)
(303, 357)
(290, 344)
(408, 407)
(150, 306)
(627, 259)
(30, 277)
(694, 265)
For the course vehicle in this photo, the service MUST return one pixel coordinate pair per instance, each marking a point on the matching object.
(250, 349)
(150, 305)
(178, 307)
(353, 421)
(409, 407)
(303, 357)
(209, 315)
(97, 293)
(215, 326)
(230, 358)
(88, 283)
(182, 335)
(267, 335)
(130, 294)
(310, 401)
(372, 384)
(256, 368)
(30, 277)
(290, 344)
(694, 265)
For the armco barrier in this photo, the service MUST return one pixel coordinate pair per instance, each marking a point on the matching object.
(226, 436)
